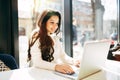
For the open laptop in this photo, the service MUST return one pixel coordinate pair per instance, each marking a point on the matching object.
(93, 58)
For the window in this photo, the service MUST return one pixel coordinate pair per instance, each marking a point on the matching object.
(95, 20)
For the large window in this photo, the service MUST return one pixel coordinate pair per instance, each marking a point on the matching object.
(93, 20)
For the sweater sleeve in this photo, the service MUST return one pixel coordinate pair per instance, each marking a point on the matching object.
(64, 57)
(37, 59)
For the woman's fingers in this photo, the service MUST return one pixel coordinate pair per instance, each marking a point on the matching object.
(69, 69)
(66, 69)
(77, 63)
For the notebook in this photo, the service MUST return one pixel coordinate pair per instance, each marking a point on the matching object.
(93, 58)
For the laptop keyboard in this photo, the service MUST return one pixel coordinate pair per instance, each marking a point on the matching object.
(71, 76)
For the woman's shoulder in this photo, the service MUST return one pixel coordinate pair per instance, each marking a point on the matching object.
(33, 37)
(55, 37)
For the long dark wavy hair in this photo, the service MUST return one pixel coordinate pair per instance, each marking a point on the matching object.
(46, 42)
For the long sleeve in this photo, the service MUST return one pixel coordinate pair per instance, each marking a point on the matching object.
(37, 59)
(63, 56)
(59, 55)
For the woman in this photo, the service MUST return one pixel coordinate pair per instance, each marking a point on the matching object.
(44, 49)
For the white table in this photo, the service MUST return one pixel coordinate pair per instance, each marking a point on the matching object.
(41, 74)
(35, 74)
(30, 74)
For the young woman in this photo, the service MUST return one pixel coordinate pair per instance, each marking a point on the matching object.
(45, 49)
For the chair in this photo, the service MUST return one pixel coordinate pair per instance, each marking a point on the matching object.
(9, 61)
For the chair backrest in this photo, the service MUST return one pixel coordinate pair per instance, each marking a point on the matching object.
(9, 61)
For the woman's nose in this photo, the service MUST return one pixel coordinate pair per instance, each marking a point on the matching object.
(55, 25)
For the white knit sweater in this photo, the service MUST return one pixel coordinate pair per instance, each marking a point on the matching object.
(59, 55)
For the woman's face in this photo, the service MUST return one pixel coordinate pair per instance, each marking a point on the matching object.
(52, 24)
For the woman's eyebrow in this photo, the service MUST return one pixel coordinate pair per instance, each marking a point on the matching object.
(52, 20)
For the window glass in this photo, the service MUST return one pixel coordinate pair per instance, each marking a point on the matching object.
(94, 20)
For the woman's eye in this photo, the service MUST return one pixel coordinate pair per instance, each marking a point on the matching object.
(52, 22)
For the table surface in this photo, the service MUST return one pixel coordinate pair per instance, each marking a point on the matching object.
(41, 74)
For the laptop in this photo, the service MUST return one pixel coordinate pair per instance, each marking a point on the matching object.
(93, 58)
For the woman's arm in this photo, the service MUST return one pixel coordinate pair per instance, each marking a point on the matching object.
(39, 63)
(64, 57)
(69, 60)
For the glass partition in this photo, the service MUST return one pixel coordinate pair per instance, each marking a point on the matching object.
(93, 20)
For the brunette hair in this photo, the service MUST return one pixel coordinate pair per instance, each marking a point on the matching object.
(46, 42)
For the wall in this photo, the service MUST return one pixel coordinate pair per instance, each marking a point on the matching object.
(9, 28)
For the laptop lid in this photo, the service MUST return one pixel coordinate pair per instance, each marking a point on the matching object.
(94, 56)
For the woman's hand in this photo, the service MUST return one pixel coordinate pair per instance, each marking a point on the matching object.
(63, 68)
(77, 63)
